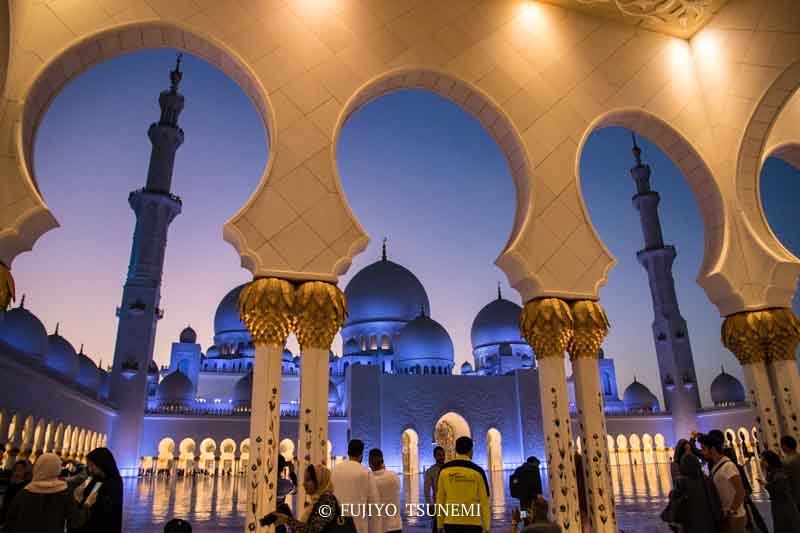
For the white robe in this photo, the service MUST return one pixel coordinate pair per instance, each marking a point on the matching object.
(353, 484)
(388, 484)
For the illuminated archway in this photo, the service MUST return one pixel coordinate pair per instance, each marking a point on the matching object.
(494, 449)
(410, 441)
(447, 430)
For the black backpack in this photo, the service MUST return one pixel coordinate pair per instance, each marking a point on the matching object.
(518, 483)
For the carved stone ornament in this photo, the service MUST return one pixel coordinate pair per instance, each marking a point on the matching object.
(265, 307)
(754, 335)
(590, 327)
(546, 323)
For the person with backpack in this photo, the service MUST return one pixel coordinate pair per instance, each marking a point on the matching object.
(526, 483)
(728, 482)
(694, 503)
(755, 522)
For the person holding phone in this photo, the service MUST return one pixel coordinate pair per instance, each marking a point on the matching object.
(100, 496)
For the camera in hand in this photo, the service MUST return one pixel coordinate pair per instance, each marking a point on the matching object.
(269, 519)
(523, 514)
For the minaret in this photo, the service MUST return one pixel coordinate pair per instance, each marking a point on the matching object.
(674, 352)
(155, 207)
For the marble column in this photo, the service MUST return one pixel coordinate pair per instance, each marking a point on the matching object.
(783, 335)
(319, 312)
(265, 306)
(6, 288)
(742, 335)
(546, 324)
(590, 327)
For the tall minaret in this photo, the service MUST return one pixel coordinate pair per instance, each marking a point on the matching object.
(155, 207)
(675, 362)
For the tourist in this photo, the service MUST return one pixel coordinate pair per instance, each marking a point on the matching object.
(102, 506)
(388, 486)
(354, 483)
(432, 480)
(755, 522)
(20, 476)
(682, 448)
(319, 489)
(785, 515)
(462, 482)
(699, 497)
(526, 483)
(729, 485)
(44, 505)
(541, 523)
(176, 525)
(520, 516)
(791, 462)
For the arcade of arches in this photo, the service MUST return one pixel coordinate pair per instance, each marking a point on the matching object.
(706, 84)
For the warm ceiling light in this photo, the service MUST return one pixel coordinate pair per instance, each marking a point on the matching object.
(529, 11)
(705, 44)
(680, 54)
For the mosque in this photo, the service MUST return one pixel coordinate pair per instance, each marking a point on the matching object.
(394, 386)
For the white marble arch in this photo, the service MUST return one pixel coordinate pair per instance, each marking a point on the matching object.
(543, 74)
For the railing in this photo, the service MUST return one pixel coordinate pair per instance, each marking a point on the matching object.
(227, 411)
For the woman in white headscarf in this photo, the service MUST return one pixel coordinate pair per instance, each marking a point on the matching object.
(45, 504)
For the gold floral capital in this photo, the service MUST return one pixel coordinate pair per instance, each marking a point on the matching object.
(319, 311)
(547, 325)
(783, 334)
(743, 334)
(590, 327)
(265, 307)
(7, 294)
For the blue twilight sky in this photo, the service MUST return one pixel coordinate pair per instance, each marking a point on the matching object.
(415, 167)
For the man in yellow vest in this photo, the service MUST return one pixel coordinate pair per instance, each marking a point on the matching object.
(462, 494)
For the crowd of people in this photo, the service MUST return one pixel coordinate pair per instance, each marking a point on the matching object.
(712, 491)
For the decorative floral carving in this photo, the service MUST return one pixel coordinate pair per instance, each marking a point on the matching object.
(682, 12)
(319, 312)
(265, 306)
(590, 327)
(546, 323)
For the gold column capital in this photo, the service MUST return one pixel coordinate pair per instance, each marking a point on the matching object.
(590, 327)
(546, 323)
(742, 334)
(319, 311)
(265, 307)
(7, 291)
(783, 334)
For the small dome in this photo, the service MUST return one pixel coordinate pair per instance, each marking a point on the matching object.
(333, 394)
(243, 391)
(637, 397)
(287, 356)
(726, 389)
(497, 322)
(188, 335)
(20, 329)
(61, 356)
(87, 372)
(226, 319)
(466, 368)
(423, 339)
(176, 388)
(384, 290)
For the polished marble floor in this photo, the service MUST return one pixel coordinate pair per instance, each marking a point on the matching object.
(217, 504)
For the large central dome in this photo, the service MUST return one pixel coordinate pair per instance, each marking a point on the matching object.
(385, 290)
(226, 319)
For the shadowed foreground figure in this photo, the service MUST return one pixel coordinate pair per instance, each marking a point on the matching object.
(101, 495)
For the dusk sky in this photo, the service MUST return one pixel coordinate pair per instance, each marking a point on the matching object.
(415, 168)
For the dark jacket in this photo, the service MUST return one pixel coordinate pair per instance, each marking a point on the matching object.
(317, 522)
(792, 466)
(530, 480)
(785, 516)
(699, 493)
(105, 516)
(12, 490)
(41, 513)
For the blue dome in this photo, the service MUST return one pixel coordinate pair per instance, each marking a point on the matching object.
(726, 389)
(423, 339)
(188, 335)
(61, 356)
(637, 397)
(384, 290)
(243, 391)
(176, 388)
(226, 319)
(287, 356)
(496, 323)
(20, 329)
(87, 372)
(466, 367)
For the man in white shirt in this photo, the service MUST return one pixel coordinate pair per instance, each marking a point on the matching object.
(388, 485)
(354, 486)
(729, 485)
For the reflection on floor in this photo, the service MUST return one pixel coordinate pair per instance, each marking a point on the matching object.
(217, 504)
